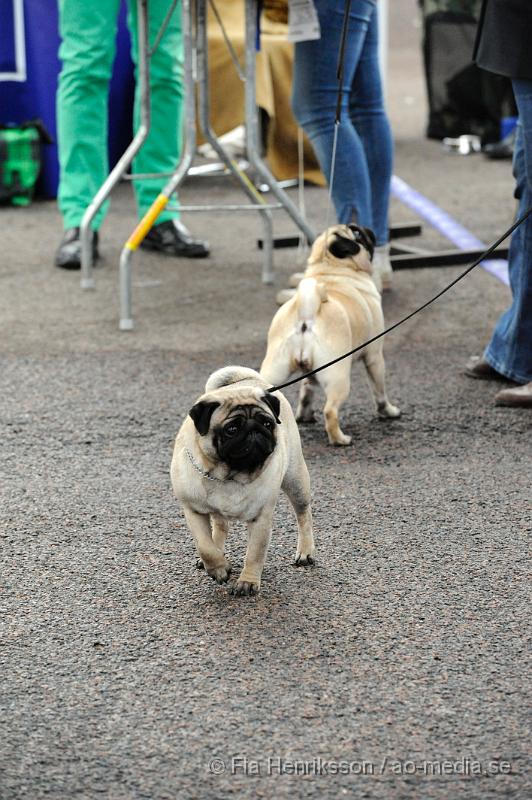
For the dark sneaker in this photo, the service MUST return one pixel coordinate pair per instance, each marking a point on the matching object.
(174, 239)
(68, 255)
(502, 149)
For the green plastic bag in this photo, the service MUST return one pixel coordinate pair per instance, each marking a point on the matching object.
(20, 161)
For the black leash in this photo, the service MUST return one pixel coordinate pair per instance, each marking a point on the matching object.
(341, 59)
(484, 255)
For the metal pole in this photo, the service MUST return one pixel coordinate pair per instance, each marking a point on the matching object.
(252, 128)
(205, 123)
(126, 318)
(87, 281)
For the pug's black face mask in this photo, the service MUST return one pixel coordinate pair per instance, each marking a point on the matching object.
(246, 438)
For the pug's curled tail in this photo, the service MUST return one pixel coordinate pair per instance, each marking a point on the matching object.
(228, 375)
(310, 296)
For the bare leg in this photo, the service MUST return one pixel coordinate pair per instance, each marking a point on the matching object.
(214, 561)
(305, 411)
(375, 371)
(259, 532)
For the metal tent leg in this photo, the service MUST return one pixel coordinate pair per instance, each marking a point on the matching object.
(205, 124)
(252, 127)
(126, 317)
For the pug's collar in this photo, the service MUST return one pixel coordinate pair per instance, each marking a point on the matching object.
(203, 472)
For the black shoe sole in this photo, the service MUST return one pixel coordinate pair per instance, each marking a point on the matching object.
(74, 265)
(171, 251)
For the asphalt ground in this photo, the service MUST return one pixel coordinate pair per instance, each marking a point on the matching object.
(396, 667)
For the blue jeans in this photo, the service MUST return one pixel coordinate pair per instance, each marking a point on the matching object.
(510, 349)
(364, 154)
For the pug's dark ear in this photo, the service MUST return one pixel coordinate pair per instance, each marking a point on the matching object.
(370, 240)
(344, 248)
(274, 403)
(201, 414)
(370, 235)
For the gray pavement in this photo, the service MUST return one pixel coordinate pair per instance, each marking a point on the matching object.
(399, 660)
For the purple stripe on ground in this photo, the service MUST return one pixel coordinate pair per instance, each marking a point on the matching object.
(446, 225)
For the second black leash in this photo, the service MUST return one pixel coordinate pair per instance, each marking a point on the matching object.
(484, 255)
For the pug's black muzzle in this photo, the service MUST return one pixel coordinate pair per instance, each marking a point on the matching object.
(245, 443)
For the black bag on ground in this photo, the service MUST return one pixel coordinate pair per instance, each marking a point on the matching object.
(463, 99)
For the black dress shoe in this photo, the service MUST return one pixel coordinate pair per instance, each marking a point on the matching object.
(502, 149)
(68, 255)
(174, 239)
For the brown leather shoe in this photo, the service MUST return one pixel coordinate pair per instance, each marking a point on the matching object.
(478, 367)
(518, 397)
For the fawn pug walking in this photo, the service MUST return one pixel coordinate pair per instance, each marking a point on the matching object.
(335, 308)
(235, 451)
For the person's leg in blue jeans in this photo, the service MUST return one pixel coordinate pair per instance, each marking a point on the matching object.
(510, 349)
(367, 112)
(361, 181)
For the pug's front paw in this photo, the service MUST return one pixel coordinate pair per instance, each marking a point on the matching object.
(245, 588)
(221, 573)
(304, 559)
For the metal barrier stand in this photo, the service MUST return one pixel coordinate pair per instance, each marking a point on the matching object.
(195, 74)
(196, 53)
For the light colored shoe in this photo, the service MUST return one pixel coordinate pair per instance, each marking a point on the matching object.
(518, 397)
(382, 268)
(233, 142)
(478, 367)
(284, 295)
(295, 279)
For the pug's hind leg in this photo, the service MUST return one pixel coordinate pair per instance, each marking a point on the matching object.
(375, 371)
(305, 411)
(337, 390)
(215, 563)
(275, 368)
(259, 532)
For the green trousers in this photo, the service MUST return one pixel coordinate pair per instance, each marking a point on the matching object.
(88, 33)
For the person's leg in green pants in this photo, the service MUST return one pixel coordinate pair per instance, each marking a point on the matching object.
(88, 32)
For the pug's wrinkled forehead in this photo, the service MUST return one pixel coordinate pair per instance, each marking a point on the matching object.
(343, 242)
(248, 403)
(252, 402)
